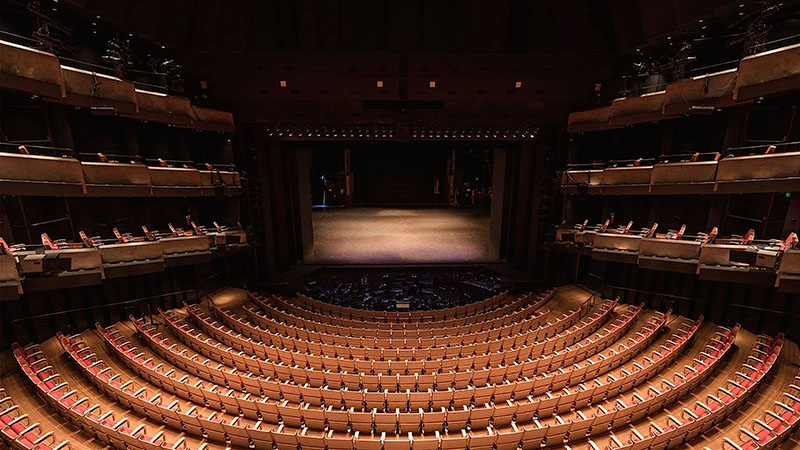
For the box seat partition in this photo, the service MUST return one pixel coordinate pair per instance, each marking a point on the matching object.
(769, 72)
(677, 255)
(630, 110)
(627, 172)
(694, 172)
(789, 272)
(29, 70)
(111, 174)
(755, 262)
(712, 90)
(42, 172)
(88, 89)
(131, 258)
(753, 166)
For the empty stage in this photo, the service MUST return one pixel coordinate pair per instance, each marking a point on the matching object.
(400, 235)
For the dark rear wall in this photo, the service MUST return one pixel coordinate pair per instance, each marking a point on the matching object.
(399, 173)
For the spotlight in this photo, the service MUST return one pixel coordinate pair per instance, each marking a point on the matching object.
(380, 84)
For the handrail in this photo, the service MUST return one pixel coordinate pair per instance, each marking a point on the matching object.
(120, 158)
(682, 157)
(613, 163)
(782, 146)
(12, 147)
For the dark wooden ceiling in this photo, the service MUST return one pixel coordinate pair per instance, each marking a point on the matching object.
(332, 54)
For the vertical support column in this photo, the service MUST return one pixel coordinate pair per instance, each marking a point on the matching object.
(452, 198)
(303, 180)
(568, 201)
(540, 147)
(265, 209)
(522, 207)
(498, 201)
(737, 118)
(59, 126)
(792, 221)
(717, 212)
(131, 141)
(5, 224)
(349, 180)
(279, 205)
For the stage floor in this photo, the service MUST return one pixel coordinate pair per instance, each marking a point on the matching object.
(400, 235)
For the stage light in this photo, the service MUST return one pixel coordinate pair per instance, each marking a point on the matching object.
(283, 83)
(518, 84)
(380, 84)
(432, 84)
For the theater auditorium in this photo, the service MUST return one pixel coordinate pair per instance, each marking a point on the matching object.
(399, 225)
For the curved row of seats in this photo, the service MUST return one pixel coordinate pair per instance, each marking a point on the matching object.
(20, 432)
(293, 394)
(539, 327)
(285, 309)
(78, 409)
(608, 368)
(281, 321)
(449, 329)
(475, 356)
(339, 399)
(269, 412)
(774, 425)
(707, 414)
(254, 436)
(368, 372)
(415, 317)
(417, 384)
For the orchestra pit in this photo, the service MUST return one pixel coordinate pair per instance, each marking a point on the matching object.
(397, 225)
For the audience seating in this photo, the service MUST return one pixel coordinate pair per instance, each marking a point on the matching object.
(761, 168)
(40, 174)
(412, 317)
(766, 262)
(37, 72)
(774, 425)
(572, 379)
(20, 432)
(76, 408)
(53, 171)
(706, 414)
(758, 75)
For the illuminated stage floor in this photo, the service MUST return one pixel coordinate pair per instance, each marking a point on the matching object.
(400, 235)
